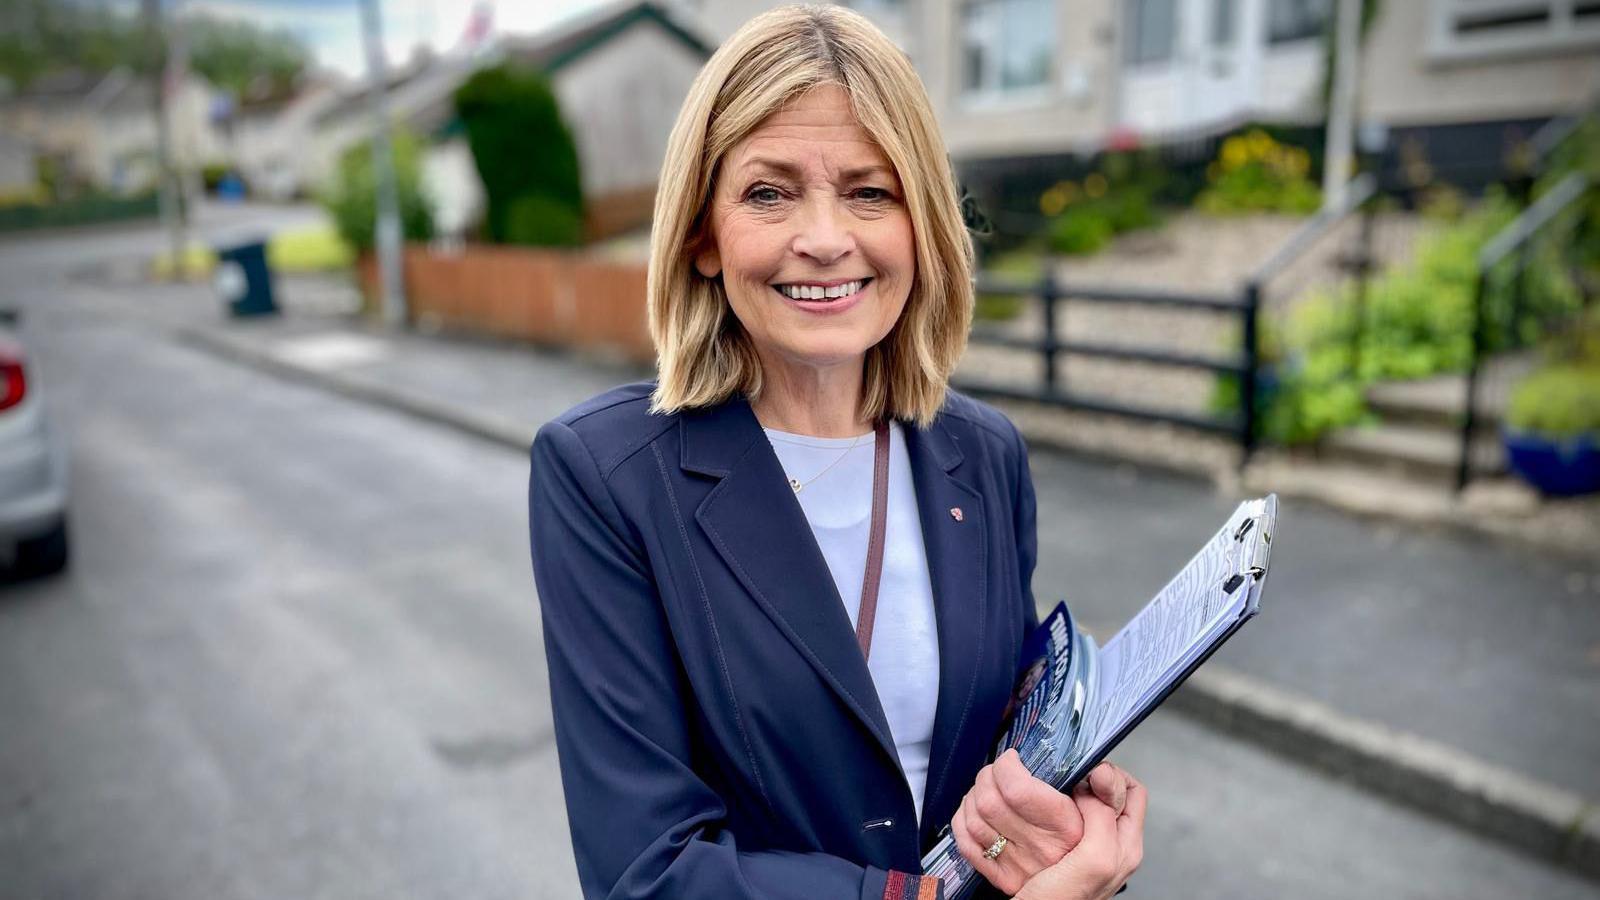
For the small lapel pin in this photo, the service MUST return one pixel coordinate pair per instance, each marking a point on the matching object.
(955, 513)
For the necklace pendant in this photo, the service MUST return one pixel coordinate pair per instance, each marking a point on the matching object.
(795, 484)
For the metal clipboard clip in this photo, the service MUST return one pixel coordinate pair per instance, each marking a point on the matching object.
(1255, 534)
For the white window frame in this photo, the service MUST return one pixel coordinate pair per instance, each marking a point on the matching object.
(1561, 32)
(995, 98)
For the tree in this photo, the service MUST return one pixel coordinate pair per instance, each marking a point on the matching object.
(352, 197)
(39, 37)
(244, 59)
(525, 156)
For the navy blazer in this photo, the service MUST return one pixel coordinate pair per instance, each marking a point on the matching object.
(718, 730)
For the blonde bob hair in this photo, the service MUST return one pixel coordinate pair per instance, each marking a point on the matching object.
(703, 355)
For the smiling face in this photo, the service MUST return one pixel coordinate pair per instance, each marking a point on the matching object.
(809, 231)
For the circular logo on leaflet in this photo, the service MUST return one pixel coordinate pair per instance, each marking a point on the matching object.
(230, 281)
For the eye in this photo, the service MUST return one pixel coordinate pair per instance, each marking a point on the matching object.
(872, 194)
(763, 195)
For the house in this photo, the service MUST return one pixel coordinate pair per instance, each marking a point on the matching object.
(620, 74)
(1025, 88)
(1460, 84)
(100, 129)
(268, 137)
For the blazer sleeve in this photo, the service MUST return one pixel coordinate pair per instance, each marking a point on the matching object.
(1025, 521)
(644, 823)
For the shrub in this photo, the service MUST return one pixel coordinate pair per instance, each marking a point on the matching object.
(1559, 401)
(541, 221)
(1254, 173)
(1119, 196)
(1081, 231)
(1418, 322)
(352, 197)
(522, 149)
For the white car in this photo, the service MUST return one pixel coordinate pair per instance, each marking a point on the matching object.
(33, 467)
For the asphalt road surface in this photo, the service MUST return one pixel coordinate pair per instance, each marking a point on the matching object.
(298, 655)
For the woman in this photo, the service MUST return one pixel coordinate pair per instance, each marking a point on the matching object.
(784, 588)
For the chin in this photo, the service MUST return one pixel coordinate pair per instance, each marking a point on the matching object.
(827, 352)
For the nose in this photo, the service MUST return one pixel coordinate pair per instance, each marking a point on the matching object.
(824, 235)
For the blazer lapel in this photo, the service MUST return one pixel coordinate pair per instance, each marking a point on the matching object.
(757, 526)
(957, 549)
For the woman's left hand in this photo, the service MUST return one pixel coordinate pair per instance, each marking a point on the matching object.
(1040, 824)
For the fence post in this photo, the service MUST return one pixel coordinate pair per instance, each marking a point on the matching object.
(1469, 420)
(1048, 348)
(1250, 310)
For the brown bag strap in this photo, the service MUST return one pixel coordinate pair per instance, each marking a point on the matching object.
(880, 516)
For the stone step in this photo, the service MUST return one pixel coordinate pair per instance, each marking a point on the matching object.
(1421, 451)
(1434, 402)
(1441, 400)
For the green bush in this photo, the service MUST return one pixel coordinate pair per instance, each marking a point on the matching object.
(522, 149)
(1118, 197)
(352, 197)
(1254, 173)
(1558, 401)
(211, 175)
(540, 221)
(1418, 322)
(1081, 231)
(83, 210)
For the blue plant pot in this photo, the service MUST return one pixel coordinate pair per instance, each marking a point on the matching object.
(1560, 467)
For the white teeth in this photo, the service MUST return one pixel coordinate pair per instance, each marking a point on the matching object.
(817, 292)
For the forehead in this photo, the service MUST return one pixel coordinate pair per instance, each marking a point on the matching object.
(818, 127)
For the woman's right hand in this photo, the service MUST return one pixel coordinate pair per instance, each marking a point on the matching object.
(1101, 863)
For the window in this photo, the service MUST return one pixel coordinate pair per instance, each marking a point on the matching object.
(1152, 28)
(1473, 28)
(1297, 20)
(1007, 45)
(1222, 22)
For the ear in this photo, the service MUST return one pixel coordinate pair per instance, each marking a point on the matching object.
(708, 262)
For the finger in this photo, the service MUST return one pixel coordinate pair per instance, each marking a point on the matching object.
(1038, 804)
(1138, 801)
(971, 840)
(1099, 822)
(1110, 786)
(1028, 848)
(1130, 826)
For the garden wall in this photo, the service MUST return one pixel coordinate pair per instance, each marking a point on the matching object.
(551, 297)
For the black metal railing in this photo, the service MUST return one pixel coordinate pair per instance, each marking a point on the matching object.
(1243, 304)
(1510, 249)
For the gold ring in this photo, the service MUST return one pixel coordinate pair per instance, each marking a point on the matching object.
(995, 848)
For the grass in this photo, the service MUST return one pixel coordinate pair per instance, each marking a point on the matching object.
(317, 248)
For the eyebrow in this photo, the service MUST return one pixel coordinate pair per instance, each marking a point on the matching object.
(790, 170)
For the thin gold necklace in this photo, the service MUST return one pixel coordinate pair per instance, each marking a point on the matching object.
(799, 485)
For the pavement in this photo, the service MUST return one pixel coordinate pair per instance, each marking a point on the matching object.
(298, 651)
(1453, 672)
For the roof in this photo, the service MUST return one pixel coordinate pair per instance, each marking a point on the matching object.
(554, 50)
(424, 96)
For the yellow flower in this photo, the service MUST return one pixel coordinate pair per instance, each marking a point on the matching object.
(1053, 200)
(1235, 153)
(1095, 185)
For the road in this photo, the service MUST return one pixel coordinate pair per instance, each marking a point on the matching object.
(298, 655)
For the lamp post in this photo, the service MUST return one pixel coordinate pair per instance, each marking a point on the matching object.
(391, 284)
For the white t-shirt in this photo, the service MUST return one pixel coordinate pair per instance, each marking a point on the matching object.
(904, 660)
